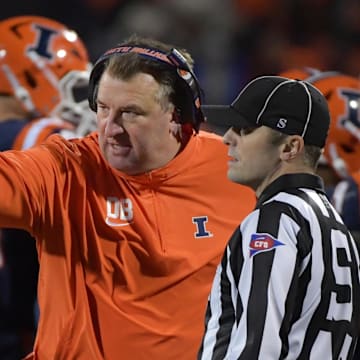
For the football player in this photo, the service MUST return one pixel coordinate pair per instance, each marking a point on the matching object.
(340, 165)
(44, 74)
(342, 151)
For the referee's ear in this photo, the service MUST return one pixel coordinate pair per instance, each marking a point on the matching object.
(292, 147)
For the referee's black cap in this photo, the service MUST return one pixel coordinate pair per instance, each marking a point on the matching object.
(294, 107)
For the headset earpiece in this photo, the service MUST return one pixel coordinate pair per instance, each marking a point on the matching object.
(93, 86)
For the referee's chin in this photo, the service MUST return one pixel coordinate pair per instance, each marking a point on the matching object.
(235, 177)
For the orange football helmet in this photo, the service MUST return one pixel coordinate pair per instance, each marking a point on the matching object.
(342, 149)
(46, 67)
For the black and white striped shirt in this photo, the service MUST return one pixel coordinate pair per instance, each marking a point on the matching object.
(288, 283)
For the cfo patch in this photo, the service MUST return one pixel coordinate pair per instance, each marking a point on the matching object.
(262, 242)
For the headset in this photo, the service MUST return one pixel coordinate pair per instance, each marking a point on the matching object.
(174, 60)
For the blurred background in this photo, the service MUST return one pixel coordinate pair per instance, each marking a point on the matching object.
(231, 40)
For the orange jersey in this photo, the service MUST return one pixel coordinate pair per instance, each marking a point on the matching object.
(126, 262)
(36, 131)
(20, 134)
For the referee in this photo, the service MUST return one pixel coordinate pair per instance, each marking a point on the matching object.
(288, 283)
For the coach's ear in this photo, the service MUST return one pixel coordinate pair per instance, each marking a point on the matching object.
(292, 147)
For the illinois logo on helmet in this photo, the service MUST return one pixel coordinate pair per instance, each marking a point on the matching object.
(46, 67)
(342, 149)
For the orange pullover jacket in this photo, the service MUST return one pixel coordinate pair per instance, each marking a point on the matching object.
(126, 262)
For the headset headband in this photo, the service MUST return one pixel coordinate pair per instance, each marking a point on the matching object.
(149, 52)
(174, 59)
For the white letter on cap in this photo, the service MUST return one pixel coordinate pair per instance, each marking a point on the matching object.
(281, 123)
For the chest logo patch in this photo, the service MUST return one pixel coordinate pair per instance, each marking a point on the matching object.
(119, 212)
